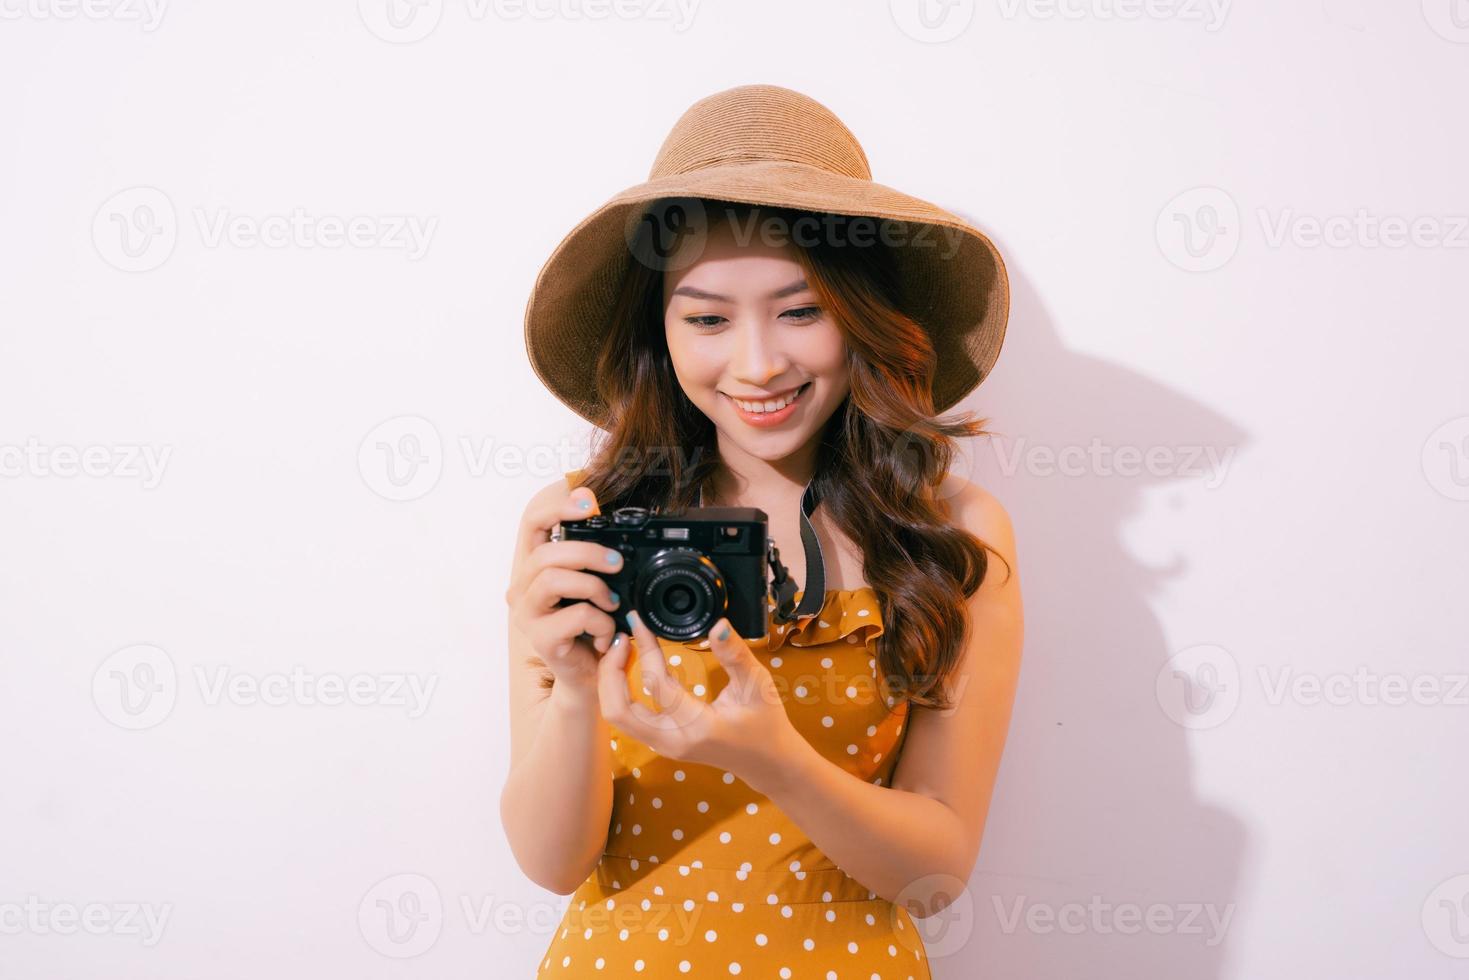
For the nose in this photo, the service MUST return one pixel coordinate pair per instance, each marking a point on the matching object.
(756, 357)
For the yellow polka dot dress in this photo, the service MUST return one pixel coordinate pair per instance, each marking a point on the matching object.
(706, 877)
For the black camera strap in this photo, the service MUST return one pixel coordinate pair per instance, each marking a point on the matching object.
(782, 586)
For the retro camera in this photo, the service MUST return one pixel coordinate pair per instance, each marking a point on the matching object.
(683, 569)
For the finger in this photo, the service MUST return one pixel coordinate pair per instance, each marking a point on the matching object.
(612, 679)
(673, 701)
(731, 650)
(612, 695)
(541, 516)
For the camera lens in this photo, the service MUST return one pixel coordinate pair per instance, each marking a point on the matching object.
(681, 593)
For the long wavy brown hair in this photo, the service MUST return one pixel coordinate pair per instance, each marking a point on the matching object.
(881, 456)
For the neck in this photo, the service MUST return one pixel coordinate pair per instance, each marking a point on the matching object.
(743, 480)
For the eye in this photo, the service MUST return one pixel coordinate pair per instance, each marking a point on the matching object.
(697, 321)
(804, 314)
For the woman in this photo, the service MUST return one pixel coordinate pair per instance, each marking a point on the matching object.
(760, 325)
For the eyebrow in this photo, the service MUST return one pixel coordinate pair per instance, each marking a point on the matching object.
(800, 285)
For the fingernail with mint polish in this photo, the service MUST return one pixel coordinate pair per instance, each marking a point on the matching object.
(634, 619)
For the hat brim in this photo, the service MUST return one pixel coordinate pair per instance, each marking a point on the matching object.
(954, 278)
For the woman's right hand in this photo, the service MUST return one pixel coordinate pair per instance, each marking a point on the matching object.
(548, 571)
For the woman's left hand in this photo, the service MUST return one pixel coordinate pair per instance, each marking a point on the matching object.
(745, 730)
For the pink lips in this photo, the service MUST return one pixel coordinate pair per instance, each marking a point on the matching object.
(765, 420)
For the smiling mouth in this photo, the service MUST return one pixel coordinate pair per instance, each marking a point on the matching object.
(794, 395)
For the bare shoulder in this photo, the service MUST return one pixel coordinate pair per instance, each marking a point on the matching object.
(980, 513)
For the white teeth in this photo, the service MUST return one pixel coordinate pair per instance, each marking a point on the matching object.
(760, 408)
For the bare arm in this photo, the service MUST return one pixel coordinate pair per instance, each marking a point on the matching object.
(917, 841)
(557, 799)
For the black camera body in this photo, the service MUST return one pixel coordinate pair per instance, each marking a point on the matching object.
(685, 568)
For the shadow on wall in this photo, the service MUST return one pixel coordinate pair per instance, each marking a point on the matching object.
(1099, 860)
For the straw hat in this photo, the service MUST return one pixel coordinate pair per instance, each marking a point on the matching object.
(765, 144)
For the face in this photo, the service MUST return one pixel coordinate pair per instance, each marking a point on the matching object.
(743, 326)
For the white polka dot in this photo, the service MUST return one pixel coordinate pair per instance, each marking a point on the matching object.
(724, 837)
(827, 721)
(752, 808)
(710, 936)
(703, 806)
(637, 965)
(734, 968)
(851, 750)
(872, 922)
(663, 935)
(600, 962)
(674, 660)
(772, 899)
(876, 757)
(712, 896)
(566, 961)
(728, 777)
(587, 934)
(623, 935)
(785, 973)
(688, 905)
(775, 838)
(785, 910)
(699, 690)
(737, 906)
(851, 692)
(892, 950)
(683, 869)
(851, 947)
(871, 729)
(826, 626)
(826, 661)
(863, 612)
(646, 904)
(795, 865)
(637, 828)
(760, 939)
(678, 774)
(809, 944)
(657, 803)
(826, 896)
(775, 661)
(800, 690)
(831, 916)
(677, 834)
(684, 966)
(634, 863)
